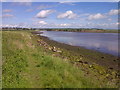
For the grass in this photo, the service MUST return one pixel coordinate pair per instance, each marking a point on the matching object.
(28, 65)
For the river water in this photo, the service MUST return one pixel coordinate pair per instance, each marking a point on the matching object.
(103, 42)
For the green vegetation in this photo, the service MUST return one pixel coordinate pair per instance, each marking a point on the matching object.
(93, 30)
(84, 30)
(26, 64)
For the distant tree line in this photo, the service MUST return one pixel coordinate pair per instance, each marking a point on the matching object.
(64, 29)
(14, 28)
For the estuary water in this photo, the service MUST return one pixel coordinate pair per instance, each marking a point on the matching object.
(103, 42)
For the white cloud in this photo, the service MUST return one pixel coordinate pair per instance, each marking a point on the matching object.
(21, 25)
(42, 22)
(44, 13)
(7, 10)
(114, 12)
(9, 25)
(102, 25)
(7, 16)
(96, 16)
(68, 14)
(64, 25)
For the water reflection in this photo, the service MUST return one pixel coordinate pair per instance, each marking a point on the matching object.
(103, 42)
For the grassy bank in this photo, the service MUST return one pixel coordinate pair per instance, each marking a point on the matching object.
(27, 64)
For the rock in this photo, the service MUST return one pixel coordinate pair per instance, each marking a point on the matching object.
(59, 51)
(118, 58)
(111, 68)
(114, 60)
(80, 61)
(80, 58)
(102, 57)
(50, 48)
(90, 66)
(38, 41)
(85, 62)
(54, 49)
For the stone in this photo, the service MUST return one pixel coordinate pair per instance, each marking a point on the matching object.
(111, 68)
(90, 66)
(102, 57)
(114, 60)
(80, 58)
(59, 51)
(80, 61)
(50, 48)
(85, 62)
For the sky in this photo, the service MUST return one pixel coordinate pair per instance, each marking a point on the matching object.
(59, 0)
(60, 14)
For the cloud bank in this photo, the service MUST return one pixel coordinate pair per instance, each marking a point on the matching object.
(68, 14)
(44, 13)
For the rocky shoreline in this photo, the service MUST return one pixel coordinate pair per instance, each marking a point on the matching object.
(93, 63)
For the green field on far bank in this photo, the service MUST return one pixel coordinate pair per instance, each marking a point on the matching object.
(26, 64)
(68, 30)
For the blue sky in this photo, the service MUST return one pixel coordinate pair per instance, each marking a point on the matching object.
(60, 14)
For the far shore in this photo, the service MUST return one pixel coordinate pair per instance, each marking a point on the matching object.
(85, 30)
